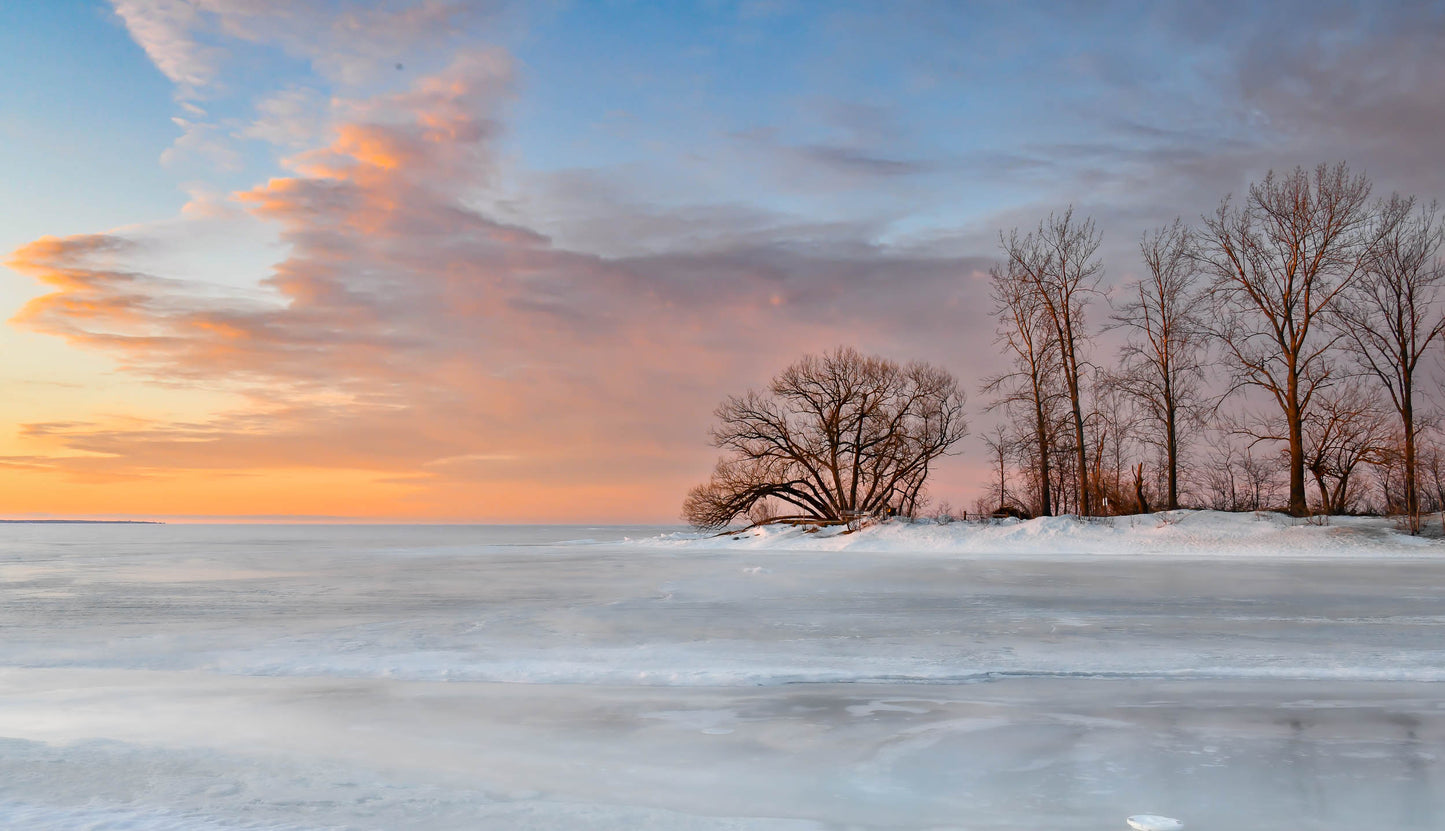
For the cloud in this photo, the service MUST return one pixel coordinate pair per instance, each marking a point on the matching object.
(862, 151)
(165, 29)
(347, 41)
(851, 160)
(1361, 84)
(474, 333)
(201, 142)
(294, 117)
(412, 335)
(350, 43)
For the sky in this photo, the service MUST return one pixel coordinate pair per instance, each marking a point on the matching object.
(443, 261)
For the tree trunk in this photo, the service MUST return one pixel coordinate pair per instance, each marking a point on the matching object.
(1079, 439)
(1325, 502)
(1297, 504)
(1139, 488)
(1002, 477)
(1342, 489)
(1171, 449)
(1412, 494)
(1041, 425)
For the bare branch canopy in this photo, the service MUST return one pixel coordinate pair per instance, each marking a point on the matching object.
(834, 436)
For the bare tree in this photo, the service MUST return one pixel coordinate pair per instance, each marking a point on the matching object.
(836, 436)
(1345, 430)
(1162, 361)
(1279, 263)
(1000, 444)
(1115, 422)
(1392, 314)
(1236, 479)
(1261, 477)
(1432, 460)
(1057, 261)
(1025, 332)
(1389, 469)
(1219, 483)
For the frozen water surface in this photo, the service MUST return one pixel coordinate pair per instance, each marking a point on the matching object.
(305, 677)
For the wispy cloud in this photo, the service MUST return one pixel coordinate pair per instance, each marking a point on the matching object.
(166, 30)
(348, 41)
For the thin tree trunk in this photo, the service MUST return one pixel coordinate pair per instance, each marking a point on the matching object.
(1412, 493)
(1041, 425)
(1002, 476)
(1171, 449)
(1139, 488)
(1297, 503)
(1342, 489)
(1325, 502)
(1079, 440)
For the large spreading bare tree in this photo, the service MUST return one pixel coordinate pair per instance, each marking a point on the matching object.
(1279, 262)
(1393, 314)
(1058, 262)
(1162, 360)
(836, 436)
(1025, 332)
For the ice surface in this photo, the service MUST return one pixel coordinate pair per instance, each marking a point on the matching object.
(304, 677)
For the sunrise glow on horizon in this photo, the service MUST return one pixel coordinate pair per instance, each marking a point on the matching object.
(437, 261)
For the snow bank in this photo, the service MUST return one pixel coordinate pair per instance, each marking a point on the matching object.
(1177, 533)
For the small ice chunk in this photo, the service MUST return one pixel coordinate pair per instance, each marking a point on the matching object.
(1153, 822)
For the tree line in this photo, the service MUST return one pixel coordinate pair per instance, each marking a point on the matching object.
(1285, 332)
(1273, 356)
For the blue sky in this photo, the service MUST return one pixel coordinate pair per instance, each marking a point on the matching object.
(425, 255)
(908, 111)
(925, 115)
(85, 119)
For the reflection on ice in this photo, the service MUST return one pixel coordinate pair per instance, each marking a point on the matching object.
(159, 677)
(1153, 822)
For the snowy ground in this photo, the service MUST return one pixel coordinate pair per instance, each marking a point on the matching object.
(1234, 672)
(1195, 534)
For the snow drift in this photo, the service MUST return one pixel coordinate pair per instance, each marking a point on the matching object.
(1173, 533)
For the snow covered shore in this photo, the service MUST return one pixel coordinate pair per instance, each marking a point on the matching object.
(1173, 533)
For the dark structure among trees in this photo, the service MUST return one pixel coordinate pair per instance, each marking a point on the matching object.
(836, 437)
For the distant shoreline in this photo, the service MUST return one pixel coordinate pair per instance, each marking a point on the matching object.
(81, 522)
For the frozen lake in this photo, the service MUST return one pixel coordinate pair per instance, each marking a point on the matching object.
(307, 677)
